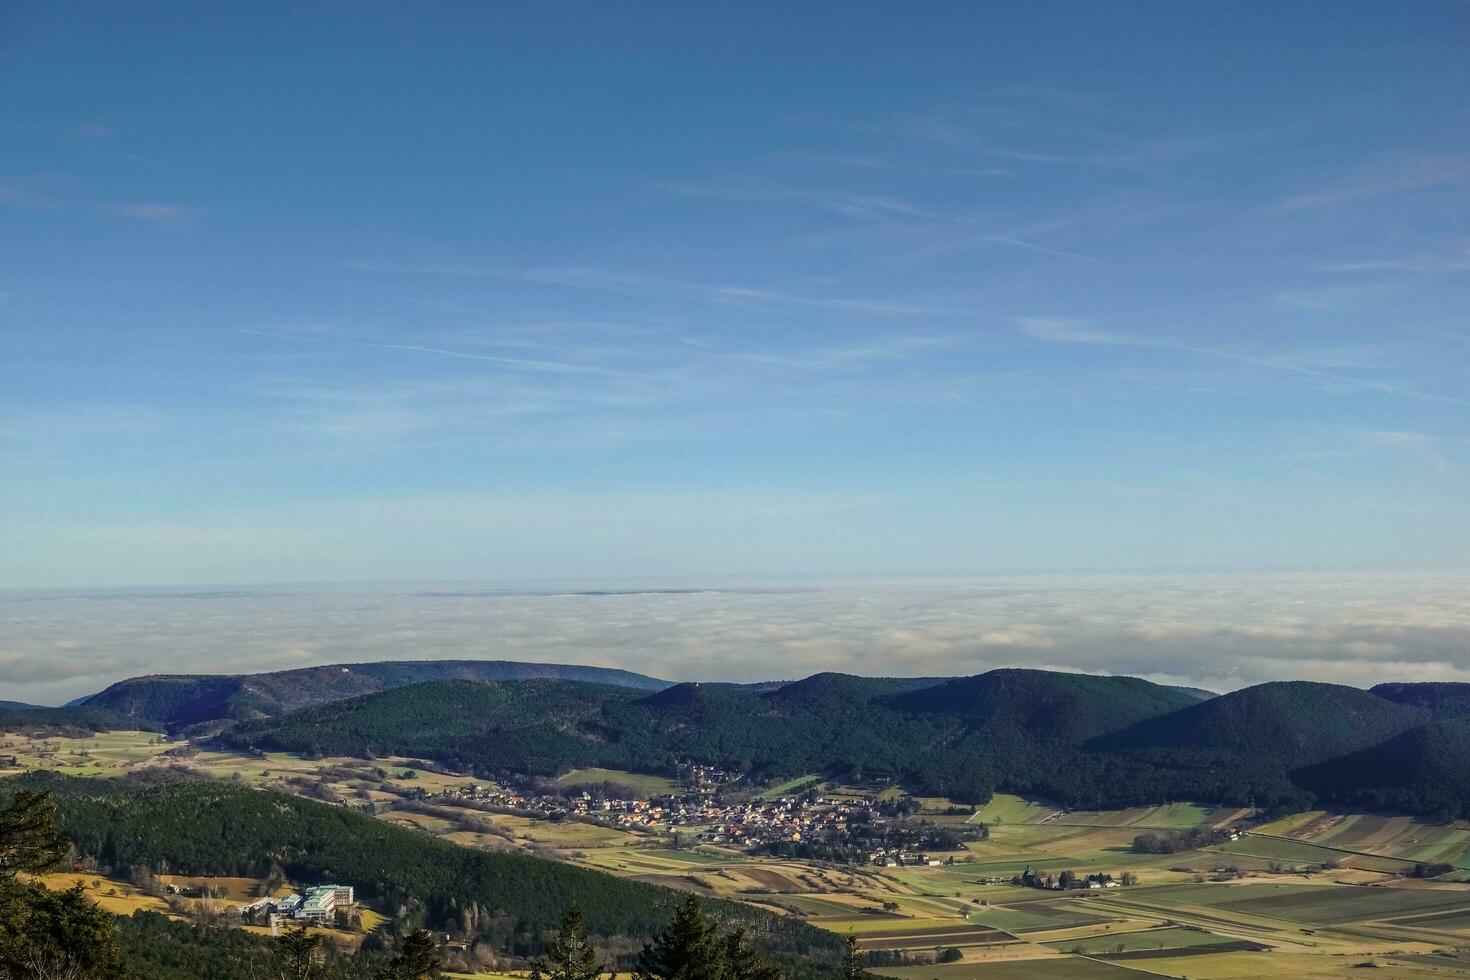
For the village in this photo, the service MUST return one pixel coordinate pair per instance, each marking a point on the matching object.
(846, 829)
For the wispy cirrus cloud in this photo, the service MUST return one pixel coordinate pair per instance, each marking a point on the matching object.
(637, 284)
(1424, 173)
(846, 204)
(1071, 331)
(155, 212)
(1449, 261)
(26, 197)
(92, 131)
(1419, 445)
(1060, 330)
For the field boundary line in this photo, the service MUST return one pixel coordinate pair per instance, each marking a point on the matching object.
(1341, 850)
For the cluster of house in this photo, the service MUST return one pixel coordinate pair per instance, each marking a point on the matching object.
(791, 818)
(847, 822)
(1065, 881)
(318, 904)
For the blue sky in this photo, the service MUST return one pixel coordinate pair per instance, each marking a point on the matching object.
(347, 292)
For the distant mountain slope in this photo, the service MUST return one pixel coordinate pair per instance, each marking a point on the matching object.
(1424, 770)
(1442, 699)
(535, 726)
(1050, 705)
(1242, 747)
(958, 737)
(1291, 722)
(72, 719)
(180, 700)
(1077, 739)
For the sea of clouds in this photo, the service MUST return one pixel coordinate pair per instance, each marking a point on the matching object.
(1216, 633)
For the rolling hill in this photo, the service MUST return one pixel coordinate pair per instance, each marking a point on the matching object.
(1052, 706)
(962, 737)
(1423, 770)
(181, 700)
(1291, 723)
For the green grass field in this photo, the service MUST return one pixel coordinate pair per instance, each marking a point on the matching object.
(652, 785)
(789, 787)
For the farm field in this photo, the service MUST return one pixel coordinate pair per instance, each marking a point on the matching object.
(99, 754)
(1405, 839)
(789, 787)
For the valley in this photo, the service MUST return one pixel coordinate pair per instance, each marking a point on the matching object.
(1313, 893)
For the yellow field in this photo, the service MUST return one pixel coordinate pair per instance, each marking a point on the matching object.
(117, 897)
(238, 890)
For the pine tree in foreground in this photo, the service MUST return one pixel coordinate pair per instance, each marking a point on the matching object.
(45, 934)
(692, 948)
(28, 838)
(571, 955)
(688, 949)
(298, 950)
(744, 962)
(418, 960)
(852, 960)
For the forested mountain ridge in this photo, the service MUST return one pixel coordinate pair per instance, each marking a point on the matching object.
(78, 718)
(1298, 722)
(181, 700)
(1442, 699)
(1076, 739)
(1005, 719)
(1058, 706)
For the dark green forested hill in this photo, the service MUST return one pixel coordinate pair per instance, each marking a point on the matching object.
(1442, 699)
(1076, 739)
(1013, 729)
(1291, 722)
(1424, 770)
(527, 726)
(180, 700)
(1056, 707)
(82, 718)
(1242, 747)
(218, 829)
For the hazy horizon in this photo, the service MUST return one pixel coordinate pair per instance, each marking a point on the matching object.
(1214, 632)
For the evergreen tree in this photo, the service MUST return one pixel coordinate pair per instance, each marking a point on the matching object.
(571, 955)
(744, 962)
(418, 960)
(690, 948)
(28, 838)
(852, 960)
(46, 934)
(298, 950)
